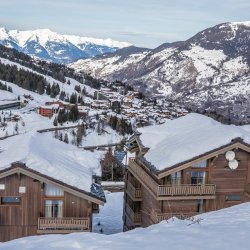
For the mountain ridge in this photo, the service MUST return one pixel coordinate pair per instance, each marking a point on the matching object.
(48, 45)
(209, 71)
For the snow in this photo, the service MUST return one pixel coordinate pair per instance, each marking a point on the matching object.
(92, 138)
(110, 215)
(65, 162)
(28, 121)
(45, 35)
(112, 183)
(226, 229)
(205, 60)
(7, 96)
(184, 138)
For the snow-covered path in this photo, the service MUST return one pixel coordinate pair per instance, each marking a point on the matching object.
(109, 219)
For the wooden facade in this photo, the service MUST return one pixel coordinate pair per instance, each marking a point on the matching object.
(202, 184)
(26, 209)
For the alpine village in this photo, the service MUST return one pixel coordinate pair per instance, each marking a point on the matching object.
(106, 145)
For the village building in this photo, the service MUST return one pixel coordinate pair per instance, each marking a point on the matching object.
(44, 191)
(48, 110)
(184, 167)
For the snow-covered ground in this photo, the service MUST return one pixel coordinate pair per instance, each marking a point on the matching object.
(227, 229)
(28, 121)
(7, 96)
(109, 219)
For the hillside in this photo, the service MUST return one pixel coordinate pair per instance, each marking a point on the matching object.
(48, 45)
(224, 229)
(209, 71)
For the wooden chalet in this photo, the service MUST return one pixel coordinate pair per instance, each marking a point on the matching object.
(32, 203)
(46, 191)
(187, 166)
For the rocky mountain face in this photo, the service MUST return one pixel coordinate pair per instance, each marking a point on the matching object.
(51, 46)
(207, 73)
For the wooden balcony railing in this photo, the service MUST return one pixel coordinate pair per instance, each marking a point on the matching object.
(174, 191)
(134, 216)
(158, 217)
(134, 193)
(185, 190)
(63, 225)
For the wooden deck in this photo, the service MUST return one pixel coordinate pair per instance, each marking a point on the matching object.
(171, 192)
(184, 190)
(62, 225)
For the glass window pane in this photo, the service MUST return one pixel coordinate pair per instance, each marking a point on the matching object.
(201, 164)
(51, 190)
(176, 178)
(11, 200)
(198, 177)
(53, 208)
(233, 197)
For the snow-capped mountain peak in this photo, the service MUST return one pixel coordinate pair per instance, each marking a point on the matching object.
(49, 45)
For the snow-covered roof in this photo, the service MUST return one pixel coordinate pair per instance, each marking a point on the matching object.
(182, 139)
(51, 157)
(52, 106)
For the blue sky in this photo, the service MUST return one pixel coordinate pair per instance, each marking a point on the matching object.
(145, 23)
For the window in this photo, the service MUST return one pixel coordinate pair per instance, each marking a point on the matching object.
(53, 208)
(200, 164)
(2, 187)
(198, 178)
(53, 191)
(233, 197)
(176, 178)
(15, 200)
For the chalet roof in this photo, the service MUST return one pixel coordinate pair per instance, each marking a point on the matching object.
(51, 157)
(181, 140)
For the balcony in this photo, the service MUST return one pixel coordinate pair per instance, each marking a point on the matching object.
(134, 217)
(63, 225)
(134, 193)
(187, 190)
(158, 217)
(171, 192)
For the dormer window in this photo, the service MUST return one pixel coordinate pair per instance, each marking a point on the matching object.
(53, 191)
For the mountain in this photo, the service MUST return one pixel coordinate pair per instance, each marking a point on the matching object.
(51, 46)
(208, 71)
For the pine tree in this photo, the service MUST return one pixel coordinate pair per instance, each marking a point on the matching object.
(73, 98)
(79, 135)
(48, 89)
(61, 137)
(55, 122)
